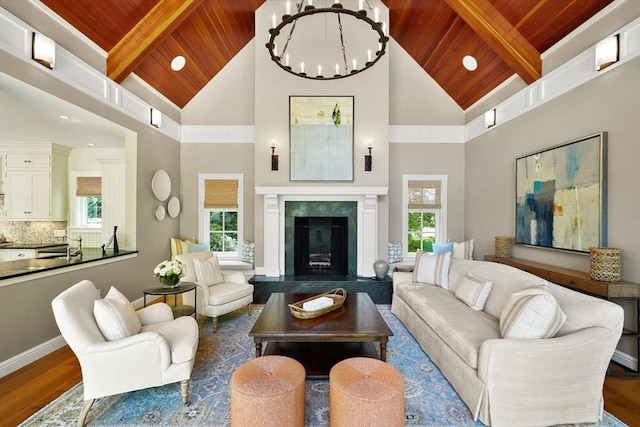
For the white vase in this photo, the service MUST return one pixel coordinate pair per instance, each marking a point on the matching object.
(381, 267)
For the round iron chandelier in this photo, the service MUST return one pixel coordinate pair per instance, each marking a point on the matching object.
(347, 69)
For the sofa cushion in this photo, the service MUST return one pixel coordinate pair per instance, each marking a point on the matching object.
(394, 252)
(208, 271)
(463, 250)
(181, 336)
(432, 269)
(462, 329)
(531, 313)
(473, 291)
(227, 292)
(115, 316)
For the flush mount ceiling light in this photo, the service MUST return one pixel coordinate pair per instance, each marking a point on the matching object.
(470, 63)
(43, 50)
(318, 37)
(64, 117)
(178, 63)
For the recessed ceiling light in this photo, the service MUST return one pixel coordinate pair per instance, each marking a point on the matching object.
(470, 63)
(92, 144)
(62, 116)
(178, 63)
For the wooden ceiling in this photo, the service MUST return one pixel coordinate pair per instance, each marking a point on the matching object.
(506, 37)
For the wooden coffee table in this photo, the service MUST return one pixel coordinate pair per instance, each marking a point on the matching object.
(321, 342)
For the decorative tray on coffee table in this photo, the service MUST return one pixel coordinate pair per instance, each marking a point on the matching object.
(338, 296)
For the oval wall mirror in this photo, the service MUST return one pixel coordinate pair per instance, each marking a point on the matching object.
(173, 207)
(161, 185)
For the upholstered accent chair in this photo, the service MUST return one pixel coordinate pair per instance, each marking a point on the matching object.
(162, 351)
(227, 292)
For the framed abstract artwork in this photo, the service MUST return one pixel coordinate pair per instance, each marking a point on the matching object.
(561, 196)
(321, 138)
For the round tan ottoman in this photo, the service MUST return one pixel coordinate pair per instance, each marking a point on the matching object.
(365, 392)
(269, 391)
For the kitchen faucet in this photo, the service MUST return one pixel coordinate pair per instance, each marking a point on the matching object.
(78, 252)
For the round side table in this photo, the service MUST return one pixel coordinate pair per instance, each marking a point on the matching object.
(178, 310)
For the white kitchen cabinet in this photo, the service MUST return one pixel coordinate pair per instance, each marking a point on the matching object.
(35, 182)
(13, 254)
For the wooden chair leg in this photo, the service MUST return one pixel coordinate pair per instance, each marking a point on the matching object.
(84, 411)
(249, 309)
(215, 324)
(184, 391)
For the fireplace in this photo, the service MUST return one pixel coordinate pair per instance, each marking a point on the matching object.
(283, 204)
(320, 246)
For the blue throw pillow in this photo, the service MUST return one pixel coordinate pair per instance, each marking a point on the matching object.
(440, 248)
(394, 252)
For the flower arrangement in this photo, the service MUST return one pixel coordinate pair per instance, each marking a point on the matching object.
(169, 273)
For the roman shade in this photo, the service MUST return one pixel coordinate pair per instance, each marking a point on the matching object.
(88, 186)
(424, 195)
(220, 194)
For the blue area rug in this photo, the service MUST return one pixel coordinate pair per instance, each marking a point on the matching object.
(429, 399)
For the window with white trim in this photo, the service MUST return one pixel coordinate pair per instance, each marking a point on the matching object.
(424, 212)
(86, 200)
(221, 215)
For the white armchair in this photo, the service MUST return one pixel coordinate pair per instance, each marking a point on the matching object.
(162, 352)
(219, 299)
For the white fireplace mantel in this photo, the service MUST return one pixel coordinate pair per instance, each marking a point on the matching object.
(274, 221)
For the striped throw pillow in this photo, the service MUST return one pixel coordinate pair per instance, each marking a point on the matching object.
(208, 271)
(463, 250)
(531, 313)
(115, 316)
(474, 291)
(432, 269)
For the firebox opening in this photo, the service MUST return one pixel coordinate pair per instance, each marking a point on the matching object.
(321, 246)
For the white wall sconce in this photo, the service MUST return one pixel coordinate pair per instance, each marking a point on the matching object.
(43, 50)
(156, 118)
(490, 118)
(607, 52)
(274, 157)
(368, 160)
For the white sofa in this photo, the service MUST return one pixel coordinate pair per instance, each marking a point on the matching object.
(512, 382)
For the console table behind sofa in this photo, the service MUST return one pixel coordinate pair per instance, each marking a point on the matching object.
(582, 282)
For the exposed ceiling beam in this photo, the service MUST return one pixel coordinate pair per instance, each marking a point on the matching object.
(501, 36)
(146, 35)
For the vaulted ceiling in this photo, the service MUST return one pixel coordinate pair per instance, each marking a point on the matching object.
(506, 37)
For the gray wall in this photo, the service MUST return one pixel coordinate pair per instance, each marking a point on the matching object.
(609, 103)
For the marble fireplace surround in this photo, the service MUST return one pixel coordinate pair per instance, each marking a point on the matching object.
(274, 221)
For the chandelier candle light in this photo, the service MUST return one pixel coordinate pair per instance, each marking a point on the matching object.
(282, 58)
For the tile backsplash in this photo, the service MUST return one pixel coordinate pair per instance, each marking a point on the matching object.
(31, 231)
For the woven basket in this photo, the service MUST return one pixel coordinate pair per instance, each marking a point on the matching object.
(503, 246)
(605, 264)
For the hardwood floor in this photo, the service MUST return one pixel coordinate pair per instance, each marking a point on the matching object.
(27, 390)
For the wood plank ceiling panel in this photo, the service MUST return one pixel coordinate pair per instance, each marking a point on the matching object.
(208, 39)
(104, 24)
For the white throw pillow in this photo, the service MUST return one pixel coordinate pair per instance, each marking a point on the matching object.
(463, 250)
(432, 268)
(208, 271)
(115, 316)
(531, 313)
(474, 291)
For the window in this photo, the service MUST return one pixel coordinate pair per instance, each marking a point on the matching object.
(221, 213)
(424, 212)
(86, 206)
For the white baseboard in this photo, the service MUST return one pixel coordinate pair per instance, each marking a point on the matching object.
(625, 360)
(23, 359)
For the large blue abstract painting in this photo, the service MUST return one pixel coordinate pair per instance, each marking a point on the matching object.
(561, 196)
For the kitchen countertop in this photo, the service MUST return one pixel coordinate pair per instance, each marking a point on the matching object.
(23, 267)
(16, 245)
